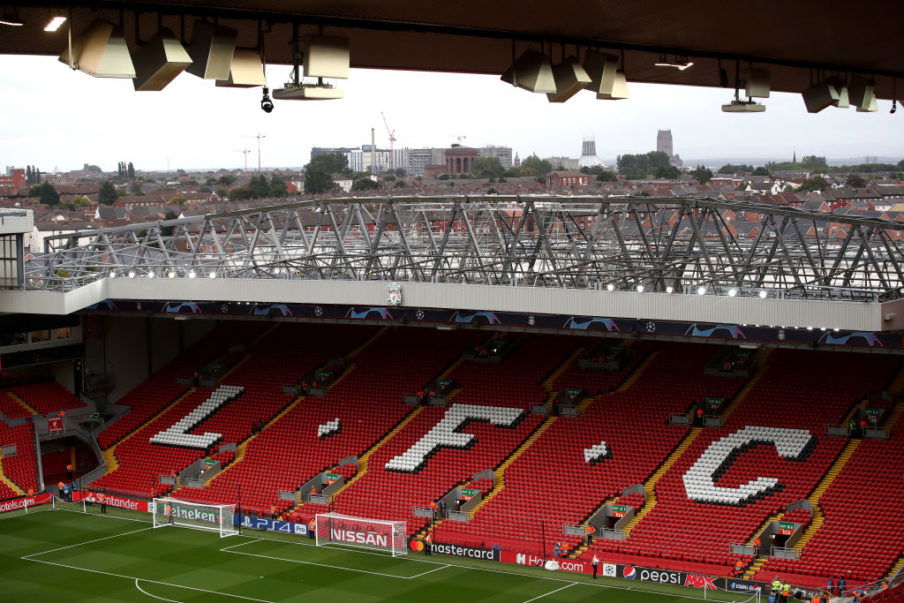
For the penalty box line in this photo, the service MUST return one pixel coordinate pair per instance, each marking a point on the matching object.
(31, 557)
(231, 549)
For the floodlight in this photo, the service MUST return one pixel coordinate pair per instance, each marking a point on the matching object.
(150, 274)
(610, 287)
(212, 274)
(245, 71)
(532, 72)
(862, 94)
(54, 24)
(171, 274)
(100, 51)
(570, 78)
(732, 292)
(607, 81)
(701, 290)
(159, 61)
(820, 96)
(112, 274)
(669, 289)
(640, 288)
(192, 274)
(326, 56)
(763, 294)
(131, 274)
(758, 83)
(211, 50)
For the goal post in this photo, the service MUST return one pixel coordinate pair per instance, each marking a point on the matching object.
(196, 516)
(361, 532)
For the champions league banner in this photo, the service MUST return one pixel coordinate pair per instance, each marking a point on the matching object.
(270, 525)
(561, 323)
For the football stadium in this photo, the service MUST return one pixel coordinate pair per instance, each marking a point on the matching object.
(489, 397)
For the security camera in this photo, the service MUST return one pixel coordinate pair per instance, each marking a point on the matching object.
(266, 103)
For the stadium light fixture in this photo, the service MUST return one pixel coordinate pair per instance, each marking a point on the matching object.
(112, 274)
(669, 289)
(159, 61)
(610, 287)
(211, 50)
(532, 71)
(150, 274)
(701, 290)
(212, 274)
(131, 274)
(607, 81)
(171, 274)
(640, 288)
(54, 24)
(862, 94)
(732, 292)
(570, 77)
(821, 95)
(100, 51)
(763, 294)
(743, 106)
(757, 85)
(192, 274)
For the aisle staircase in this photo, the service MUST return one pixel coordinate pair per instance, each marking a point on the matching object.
(10, 483)
(818, 517)
(23, 403)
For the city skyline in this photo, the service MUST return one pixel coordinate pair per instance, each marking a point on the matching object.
(54, 117)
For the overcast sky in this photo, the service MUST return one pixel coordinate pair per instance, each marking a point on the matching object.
(56, 118)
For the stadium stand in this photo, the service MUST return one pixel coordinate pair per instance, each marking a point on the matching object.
(516, 383)
(289, 452)
(12, 407)
(20, 469)
(679, 533)
(48, 397)
(552, 482)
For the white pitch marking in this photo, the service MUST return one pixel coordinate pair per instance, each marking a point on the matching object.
(138, 586)
(551, 592)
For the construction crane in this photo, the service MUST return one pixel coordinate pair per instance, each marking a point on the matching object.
(392, 140)
(244, 152)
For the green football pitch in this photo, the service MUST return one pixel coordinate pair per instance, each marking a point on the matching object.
(65, 555)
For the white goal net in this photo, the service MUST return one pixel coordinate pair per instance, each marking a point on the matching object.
(198, 516)
(375, 534)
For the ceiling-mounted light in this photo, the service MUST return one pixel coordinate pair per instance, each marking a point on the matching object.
(669, 289)
(763, 294)
(843, 101)
(192, 274)
(532, 71)
(326, 56)
(679, 63)
(701, 290)
(610, 287)
(862, 94)
(245, 71)
(819, 96)
(212, 274)
(131, 274)
(757, 85)
(570, 77)
(732, 292)
(100, 51)
(640, 288)
(54, 24)
(11, 18)
(742, 106)
(159, 61)
(607, 81)
(211, 50)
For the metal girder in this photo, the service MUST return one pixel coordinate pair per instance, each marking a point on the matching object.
(540, 241)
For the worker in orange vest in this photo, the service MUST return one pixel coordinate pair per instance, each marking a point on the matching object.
(102, 499)
(428, 543)
(272, 511)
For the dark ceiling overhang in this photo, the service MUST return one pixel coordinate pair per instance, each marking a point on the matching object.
(800, 41)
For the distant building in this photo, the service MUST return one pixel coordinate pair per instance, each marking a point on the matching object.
(503, 154)
(419, 159)
(563, 163)
(364, 159)
(14, 178)
(588, 154)
(664, 144)
(460, 160)
(568, 179)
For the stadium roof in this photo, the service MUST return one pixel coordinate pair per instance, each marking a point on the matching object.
(800, 41)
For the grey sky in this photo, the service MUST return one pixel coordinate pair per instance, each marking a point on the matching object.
(53, 117)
